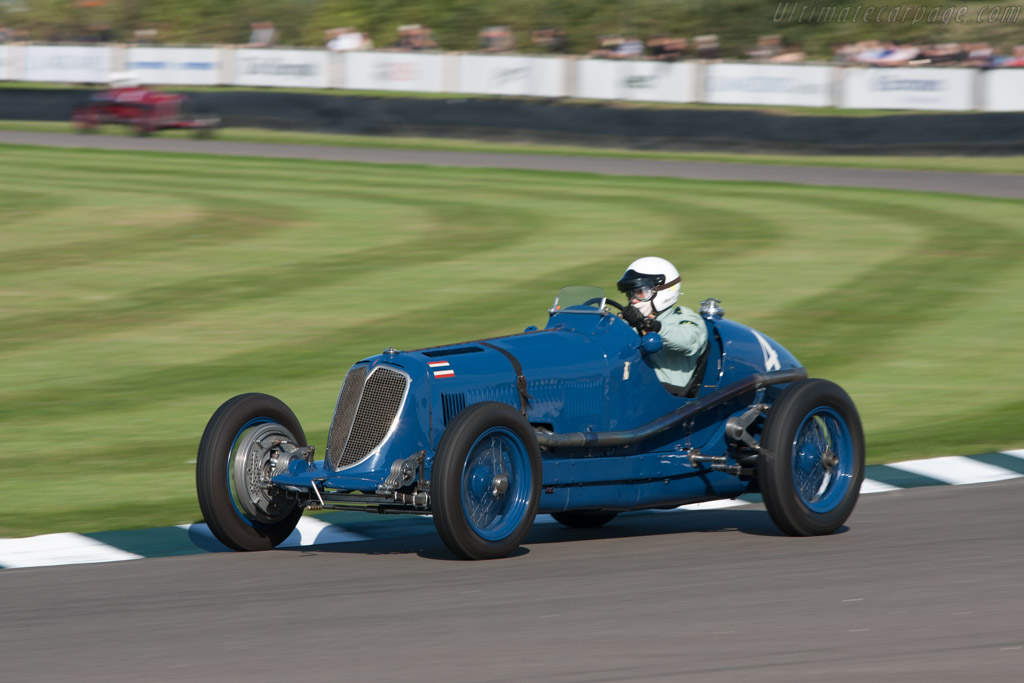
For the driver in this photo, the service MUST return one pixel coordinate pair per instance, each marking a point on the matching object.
(652, 285)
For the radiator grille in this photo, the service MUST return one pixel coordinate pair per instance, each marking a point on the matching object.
(365, 414)
(345, 413)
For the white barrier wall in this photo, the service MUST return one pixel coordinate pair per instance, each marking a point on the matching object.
(394, 71)
(67, 63)
(771, 84)
(946, 89)
(1003, 90)
(510, 75)
(943, 89)
(605, 79)
(281, 68)
(4, 62)
(175, 65)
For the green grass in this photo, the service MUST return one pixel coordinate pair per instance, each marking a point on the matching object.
(139, 291)
(981, 164)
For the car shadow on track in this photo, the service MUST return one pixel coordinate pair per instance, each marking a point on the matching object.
(422, 540)
(632, 525)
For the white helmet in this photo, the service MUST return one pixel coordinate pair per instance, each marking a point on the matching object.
(651, 279)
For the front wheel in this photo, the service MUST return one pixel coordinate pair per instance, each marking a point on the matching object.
(486, 482)
(238, 454)
(812, 462)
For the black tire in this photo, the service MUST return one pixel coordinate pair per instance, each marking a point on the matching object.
(82, 121)
(584, 519)
(812, 463)
(223, 511)
(206, 131)
(486, 481)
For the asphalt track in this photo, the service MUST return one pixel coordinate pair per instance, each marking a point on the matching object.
(985, 185)
(922, 585)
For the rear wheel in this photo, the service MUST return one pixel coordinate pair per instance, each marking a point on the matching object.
(84, 120)
(486, 482)
(812, 462)
(584, 519)
(237, 453)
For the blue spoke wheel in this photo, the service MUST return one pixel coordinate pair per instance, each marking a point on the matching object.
(486, 482)
(812, 459)
(236, 454)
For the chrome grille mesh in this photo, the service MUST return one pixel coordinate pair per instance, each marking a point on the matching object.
(364, 415)
(345, 413)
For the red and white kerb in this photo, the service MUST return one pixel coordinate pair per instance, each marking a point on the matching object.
(441, 368)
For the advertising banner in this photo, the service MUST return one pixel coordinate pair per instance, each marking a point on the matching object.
(502, 75)
(946, 89)
(394, 71)
(67, 63)
(174, 65)
(771, 84)
(282, 68)
(1003, 90)
(648, 81)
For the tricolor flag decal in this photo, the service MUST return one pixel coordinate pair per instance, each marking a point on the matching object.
(441, 368)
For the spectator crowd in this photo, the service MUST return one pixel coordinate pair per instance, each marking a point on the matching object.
(662, 47)
(659, 46)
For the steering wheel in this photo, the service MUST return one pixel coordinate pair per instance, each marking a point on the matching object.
(613, 304)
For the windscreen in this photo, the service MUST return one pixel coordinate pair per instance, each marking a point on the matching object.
(579, 295)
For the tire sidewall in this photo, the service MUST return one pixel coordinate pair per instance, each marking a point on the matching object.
(446, 480)
(213, 487)
(781, 497)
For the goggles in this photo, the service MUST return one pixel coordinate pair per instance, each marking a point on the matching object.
(642, 293)
(643, 287)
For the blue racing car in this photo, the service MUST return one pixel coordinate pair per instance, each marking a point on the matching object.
(569, 420)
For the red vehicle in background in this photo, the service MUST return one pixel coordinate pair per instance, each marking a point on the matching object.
(143, 110)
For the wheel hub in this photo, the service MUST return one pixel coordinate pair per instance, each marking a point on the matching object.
(255, 462)
(829, 459)
(499, 485)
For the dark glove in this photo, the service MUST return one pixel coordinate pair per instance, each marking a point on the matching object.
(634, 317)
(651, 325)
(638, 320)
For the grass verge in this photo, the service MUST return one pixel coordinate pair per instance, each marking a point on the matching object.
(138, 291)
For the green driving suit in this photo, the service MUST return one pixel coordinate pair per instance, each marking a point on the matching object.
(685, 336)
